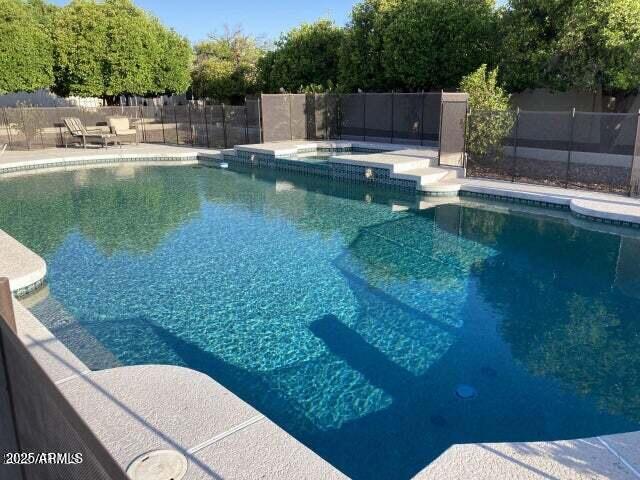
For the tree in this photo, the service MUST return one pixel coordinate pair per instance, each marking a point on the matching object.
(26, 58)
(227, 66)
(113, 48)
(585, 44)
(360, 54)
(600, 46)
(132, 49)
(174, 58)
(80, 39)
(528, 30)
(307, 55)
(432, 44)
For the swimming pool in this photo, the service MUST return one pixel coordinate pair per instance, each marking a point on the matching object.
(377, 336)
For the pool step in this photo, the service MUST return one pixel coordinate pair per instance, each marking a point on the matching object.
(425, 176)
(448, 186)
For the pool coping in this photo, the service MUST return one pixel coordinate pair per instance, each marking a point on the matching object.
(618, 455)
(25, 269)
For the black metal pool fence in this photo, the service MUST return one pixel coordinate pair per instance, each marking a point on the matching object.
(212, 126)
(595, 151)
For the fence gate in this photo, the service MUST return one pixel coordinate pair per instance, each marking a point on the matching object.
(452, 129)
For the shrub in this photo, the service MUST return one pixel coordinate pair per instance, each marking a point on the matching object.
(491, 118)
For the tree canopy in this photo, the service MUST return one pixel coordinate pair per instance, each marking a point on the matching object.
(112, 48)
(432, 44)
(26, 62)
(361, 52)
(305, 56)
(226, 66)
(107, 48)
(414, 45)
(388, 44)
(584, 44)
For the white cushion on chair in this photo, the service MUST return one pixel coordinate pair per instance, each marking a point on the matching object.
(120, 126)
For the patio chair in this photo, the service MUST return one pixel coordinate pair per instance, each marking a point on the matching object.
(79, 133)
(120, 127)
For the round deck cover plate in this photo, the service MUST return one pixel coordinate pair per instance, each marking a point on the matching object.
(158, 465)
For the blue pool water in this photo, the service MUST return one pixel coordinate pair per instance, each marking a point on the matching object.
(375, 336)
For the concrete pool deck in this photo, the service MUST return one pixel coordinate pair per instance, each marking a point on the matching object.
(602, 207)
(141, 408)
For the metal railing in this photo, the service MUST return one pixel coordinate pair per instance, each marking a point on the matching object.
(571, 149)
(212, 126)
(43, 421)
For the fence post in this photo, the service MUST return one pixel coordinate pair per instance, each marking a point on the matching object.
(514, 172)
(364, 118)
(289, 98)
(260, 119)
(27, 140)
(60, 131)
(164, 140)
(141, 117)
(467, 133)
(339, 109)
(190, 124)
(246, 122)
(6, 125)
(573, 121)
(206, 123)
(422, 121)
(393, 101)
(41, 130)
(440, 130)
(224, 126)
(6, 304)
(634, 177)
(175, 119)
(326, 116)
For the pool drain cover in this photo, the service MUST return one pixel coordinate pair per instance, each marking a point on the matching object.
(466, 391)
(158, 465)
